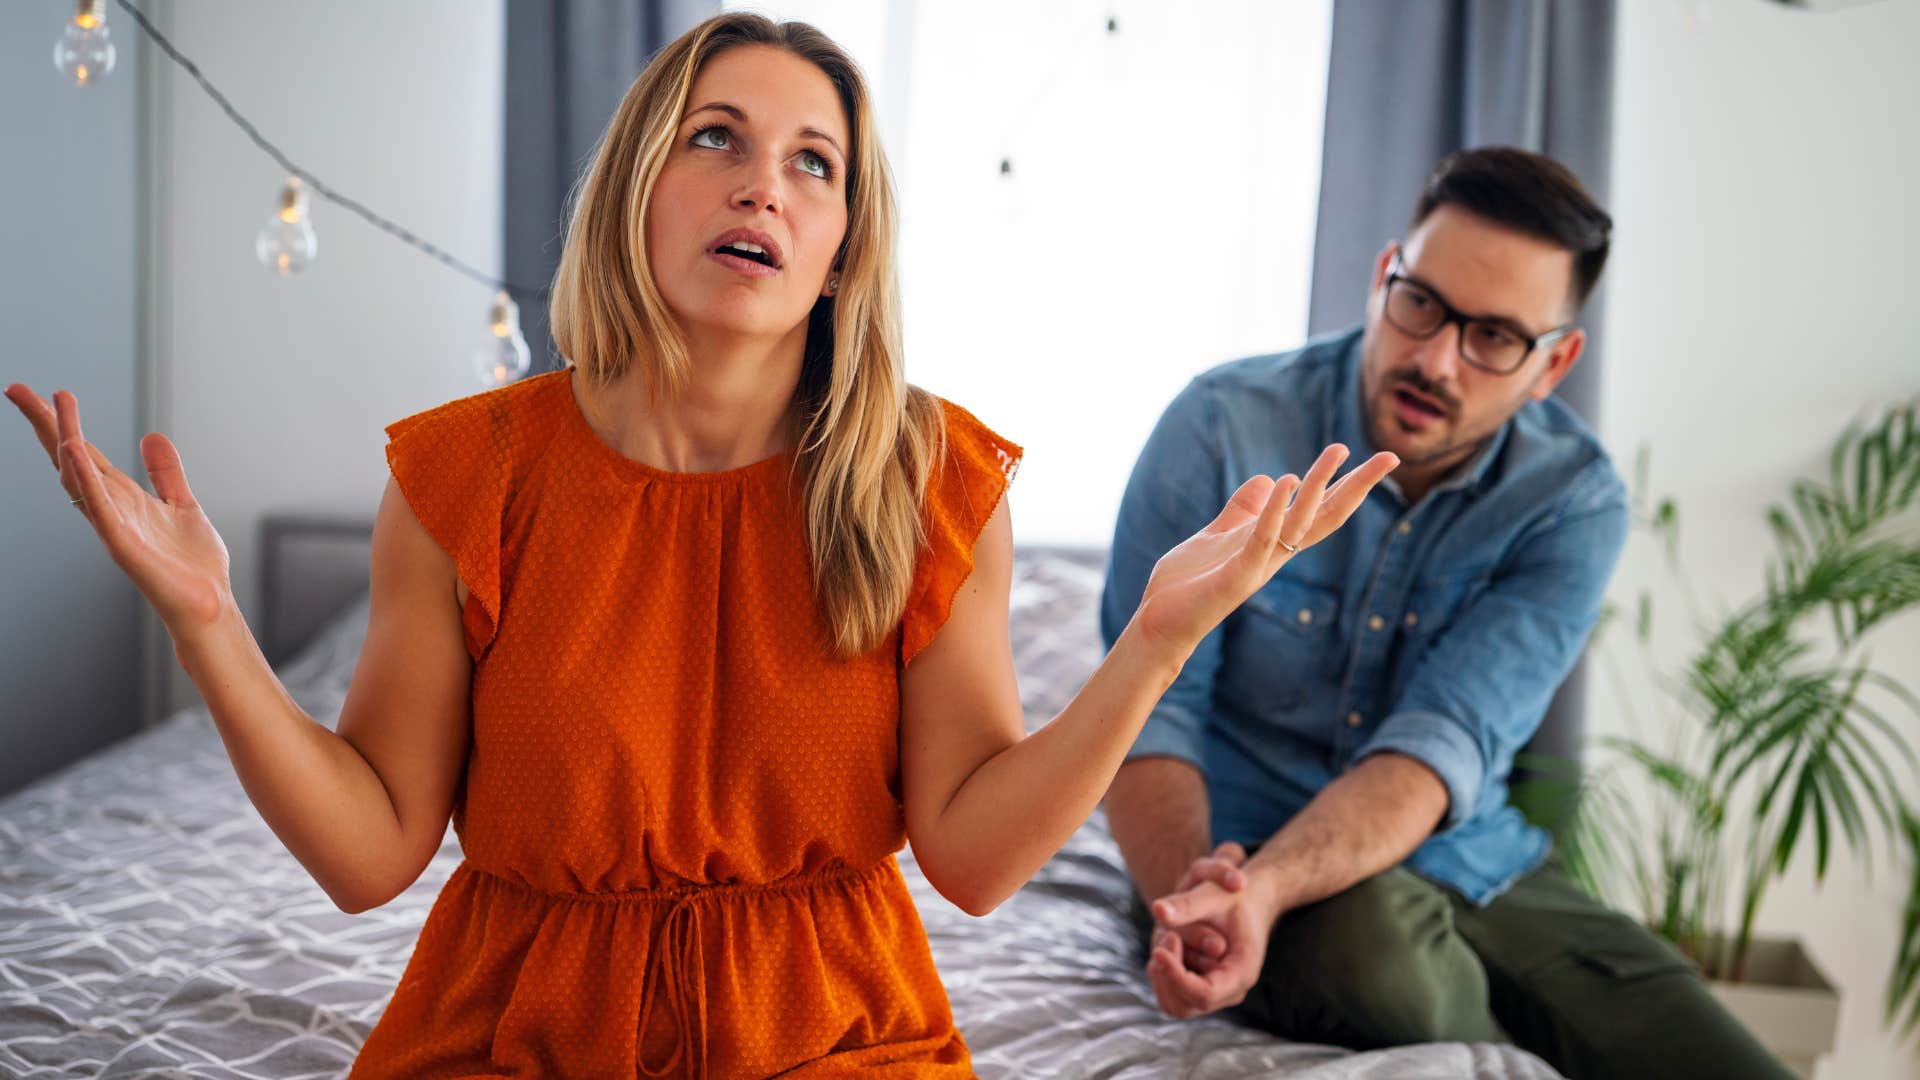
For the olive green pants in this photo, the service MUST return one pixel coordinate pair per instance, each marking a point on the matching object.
(1397, 959)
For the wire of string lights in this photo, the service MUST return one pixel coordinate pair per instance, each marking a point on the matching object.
(314, 183)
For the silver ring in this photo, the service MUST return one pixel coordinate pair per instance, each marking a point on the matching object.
(1291, 550)
(83, 498)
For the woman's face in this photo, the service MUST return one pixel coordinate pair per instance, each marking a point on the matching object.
(750, 207)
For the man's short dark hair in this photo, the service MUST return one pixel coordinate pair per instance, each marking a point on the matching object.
(1528, 193)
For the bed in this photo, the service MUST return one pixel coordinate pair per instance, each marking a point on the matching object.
(151, 925)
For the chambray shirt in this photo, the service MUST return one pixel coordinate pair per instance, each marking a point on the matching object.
(1439, 630)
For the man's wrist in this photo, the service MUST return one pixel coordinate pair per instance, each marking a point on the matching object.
(1269, 887)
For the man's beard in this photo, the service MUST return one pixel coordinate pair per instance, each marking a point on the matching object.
(1381, 412)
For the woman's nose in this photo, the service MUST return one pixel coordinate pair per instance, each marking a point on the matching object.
(759, 188)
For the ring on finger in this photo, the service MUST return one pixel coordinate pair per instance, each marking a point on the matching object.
(1292, 549)
(77, 502)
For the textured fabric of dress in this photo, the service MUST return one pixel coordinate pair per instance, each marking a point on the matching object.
(680, 810)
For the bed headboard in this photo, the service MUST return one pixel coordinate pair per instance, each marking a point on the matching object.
(312, 567)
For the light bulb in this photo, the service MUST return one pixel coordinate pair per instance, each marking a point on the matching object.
(287, 243)
(504, 356)
(1009, 199)
(84, 53)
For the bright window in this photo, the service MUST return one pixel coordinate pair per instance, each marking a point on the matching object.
(1155, 217)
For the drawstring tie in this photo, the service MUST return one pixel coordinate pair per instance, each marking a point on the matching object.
(675, 959)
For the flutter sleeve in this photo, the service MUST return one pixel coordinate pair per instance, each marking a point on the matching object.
(961, 495)
(451, 463)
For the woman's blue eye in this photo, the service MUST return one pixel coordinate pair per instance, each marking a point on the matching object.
(714, 138)
(816, 164)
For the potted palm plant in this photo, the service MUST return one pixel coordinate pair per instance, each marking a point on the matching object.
(1785, 739)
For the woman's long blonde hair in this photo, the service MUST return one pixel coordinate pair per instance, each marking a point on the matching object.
(870, 439)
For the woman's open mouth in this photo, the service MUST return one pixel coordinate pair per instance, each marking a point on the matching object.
(747, 251)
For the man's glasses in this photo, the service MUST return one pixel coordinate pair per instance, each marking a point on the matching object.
(1492, 345)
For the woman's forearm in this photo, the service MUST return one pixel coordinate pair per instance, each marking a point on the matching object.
(315, 791)
(1020, 806)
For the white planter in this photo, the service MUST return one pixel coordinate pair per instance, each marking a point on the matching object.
(1786, 1001)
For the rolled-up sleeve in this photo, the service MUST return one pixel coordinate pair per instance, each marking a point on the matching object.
(1480, 693)
(1172, 494)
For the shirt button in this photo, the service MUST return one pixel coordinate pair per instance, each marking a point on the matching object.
(1412, 620)
(1354, 719)
(1376, 624)
(1405, 527)
(1305, 617)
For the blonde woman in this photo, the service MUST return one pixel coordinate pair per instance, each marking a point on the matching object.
(689, 638)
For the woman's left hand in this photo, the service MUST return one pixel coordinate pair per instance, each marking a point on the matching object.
(1196, 585)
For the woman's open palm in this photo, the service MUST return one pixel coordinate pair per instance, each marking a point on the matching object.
(165, 544)
(1197, 584)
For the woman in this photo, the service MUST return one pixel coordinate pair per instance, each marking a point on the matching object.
(690, 638)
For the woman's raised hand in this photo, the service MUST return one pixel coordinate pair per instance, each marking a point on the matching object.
(1196, 585)
(165, 544)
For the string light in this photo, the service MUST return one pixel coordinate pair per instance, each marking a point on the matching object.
(287, 243)
(84, 53)
(505, 356)
(1059, 73)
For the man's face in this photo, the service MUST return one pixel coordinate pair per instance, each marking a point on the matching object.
(1421, 398)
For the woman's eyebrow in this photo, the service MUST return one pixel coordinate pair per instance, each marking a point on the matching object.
(818, 134)
(735, 112)
(721, 106)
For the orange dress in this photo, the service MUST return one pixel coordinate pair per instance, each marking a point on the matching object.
(680, 810)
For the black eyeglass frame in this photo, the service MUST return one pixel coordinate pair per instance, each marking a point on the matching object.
(1451, 315)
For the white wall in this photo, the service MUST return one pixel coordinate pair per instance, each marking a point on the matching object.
(1762, 283)
(277, 390)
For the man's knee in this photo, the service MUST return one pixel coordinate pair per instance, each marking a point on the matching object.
(1378, 965)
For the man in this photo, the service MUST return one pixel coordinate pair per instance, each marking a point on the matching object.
(1354, 723)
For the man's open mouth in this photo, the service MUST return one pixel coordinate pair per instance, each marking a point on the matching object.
(1419, 402)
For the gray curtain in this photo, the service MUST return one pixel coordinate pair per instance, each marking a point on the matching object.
(1410, 82)
(569, 62)
(71, 624)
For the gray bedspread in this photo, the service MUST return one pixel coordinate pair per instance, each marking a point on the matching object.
(151, 925)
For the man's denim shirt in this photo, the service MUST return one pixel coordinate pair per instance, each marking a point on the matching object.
(1439, 631)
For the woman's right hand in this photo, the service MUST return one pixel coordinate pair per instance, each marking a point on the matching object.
(165, 544)
(1266, 522)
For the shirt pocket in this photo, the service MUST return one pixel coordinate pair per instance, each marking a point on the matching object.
(1436, 605)
(1283, 645)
